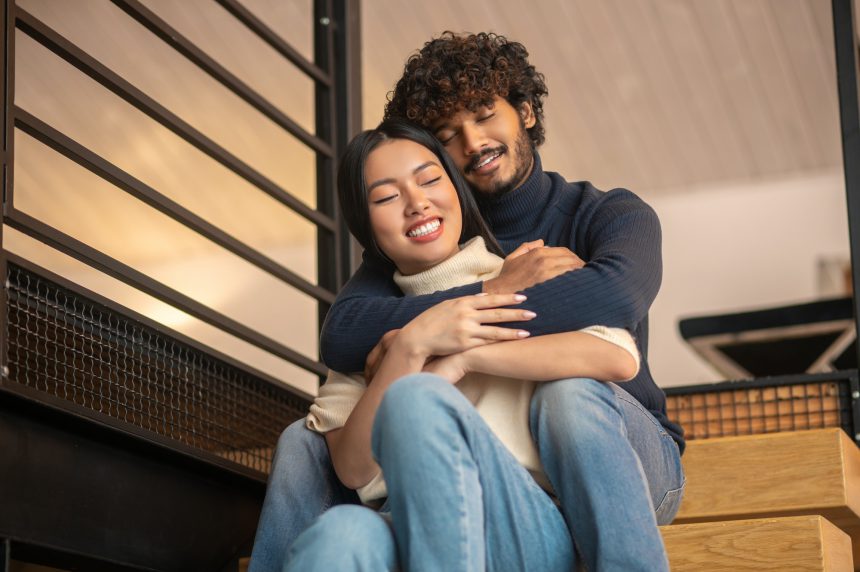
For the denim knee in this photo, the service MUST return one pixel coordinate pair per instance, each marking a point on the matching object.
(582, 407)
(410, 403)
(344, 537)
(297, 441)
(297, 436)
(350, 525)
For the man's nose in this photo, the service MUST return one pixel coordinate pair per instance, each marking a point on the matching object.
(474, 139)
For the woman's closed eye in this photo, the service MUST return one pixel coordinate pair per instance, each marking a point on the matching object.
(385, 199)
(430, 182)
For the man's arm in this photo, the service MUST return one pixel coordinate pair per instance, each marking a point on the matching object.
(621, 242)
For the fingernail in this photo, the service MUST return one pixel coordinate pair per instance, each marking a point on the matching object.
(520, 297)
(481, 294)
(529, 314)
(523, 334)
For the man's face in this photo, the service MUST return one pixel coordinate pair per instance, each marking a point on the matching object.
(490, 145)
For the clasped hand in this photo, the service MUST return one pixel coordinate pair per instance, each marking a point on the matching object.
(453, 326)
(530, 264)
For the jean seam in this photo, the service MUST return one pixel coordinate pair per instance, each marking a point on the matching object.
(642, 409)
(461, 489)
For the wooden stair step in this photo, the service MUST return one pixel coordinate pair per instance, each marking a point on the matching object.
(776, 474)
(786, 544)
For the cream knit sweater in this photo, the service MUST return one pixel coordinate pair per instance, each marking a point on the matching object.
(502, 402)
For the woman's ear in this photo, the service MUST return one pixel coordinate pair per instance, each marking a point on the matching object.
(527, 114)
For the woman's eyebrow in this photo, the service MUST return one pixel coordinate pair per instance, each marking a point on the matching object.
(423, 166)
(380, 182)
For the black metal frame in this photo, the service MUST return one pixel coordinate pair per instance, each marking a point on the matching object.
(845, 40)
(325, 219)
(851, 406)
(221, 497)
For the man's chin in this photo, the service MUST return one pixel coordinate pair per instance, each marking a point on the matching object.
(492, 192)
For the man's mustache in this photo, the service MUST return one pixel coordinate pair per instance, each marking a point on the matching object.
(478, 158)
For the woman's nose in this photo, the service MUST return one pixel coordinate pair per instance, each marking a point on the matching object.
(418, 202)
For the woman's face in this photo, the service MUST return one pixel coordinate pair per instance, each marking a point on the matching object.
(414, 211)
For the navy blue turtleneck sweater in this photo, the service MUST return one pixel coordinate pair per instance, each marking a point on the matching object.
(614, 232)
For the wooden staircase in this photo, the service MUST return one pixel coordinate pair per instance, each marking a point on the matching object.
(779, 501)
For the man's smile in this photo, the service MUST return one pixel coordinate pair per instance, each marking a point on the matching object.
(486, 161)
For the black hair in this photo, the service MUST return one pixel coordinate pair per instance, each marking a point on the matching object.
(352, 186)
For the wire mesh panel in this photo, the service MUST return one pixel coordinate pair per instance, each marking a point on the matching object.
(752, 407)
(68, 347)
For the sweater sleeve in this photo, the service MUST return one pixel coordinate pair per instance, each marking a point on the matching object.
(620, 239)
(367, 307)
(620, 338)
(331, 409)
(336, 399)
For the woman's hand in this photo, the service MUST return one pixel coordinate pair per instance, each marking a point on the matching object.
(460, 324)
(452, 367)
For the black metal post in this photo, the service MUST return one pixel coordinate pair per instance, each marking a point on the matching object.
(7, 89)
(328, 255)
(845, 39)
(347, 51)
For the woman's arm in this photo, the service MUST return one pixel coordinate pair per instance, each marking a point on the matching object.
(441, 330)
(349, 446)
(546, 358)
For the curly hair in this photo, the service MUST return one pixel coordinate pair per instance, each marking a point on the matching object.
(456, 72)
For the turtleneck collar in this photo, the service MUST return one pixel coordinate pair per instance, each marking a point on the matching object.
(473, 263)
(520, 210)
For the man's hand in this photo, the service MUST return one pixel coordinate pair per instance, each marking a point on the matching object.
(532, 263)
(377, 354)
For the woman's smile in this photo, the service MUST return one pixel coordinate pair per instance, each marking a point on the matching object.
(426, 231)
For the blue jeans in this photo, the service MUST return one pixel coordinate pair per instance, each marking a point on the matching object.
(458, 499)
(302, 485)
(616, 471)
(609, 460)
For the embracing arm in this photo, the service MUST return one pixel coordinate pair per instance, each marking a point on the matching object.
(616, 287)
(349, 446)
(442, 330)
(621, 242)
(550, 357)
(367, 307)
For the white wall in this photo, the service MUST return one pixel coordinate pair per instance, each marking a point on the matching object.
(737, 247)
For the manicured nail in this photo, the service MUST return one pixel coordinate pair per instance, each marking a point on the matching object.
(520, 297)
(529, 314)
(523, 334)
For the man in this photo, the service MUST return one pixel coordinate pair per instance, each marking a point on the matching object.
(611, 454)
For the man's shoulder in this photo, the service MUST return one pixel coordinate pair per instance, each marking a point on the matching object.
(581, 197)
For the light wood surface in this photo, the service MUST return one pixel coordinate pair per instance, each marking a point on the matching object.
(779, 474)
(789, 544)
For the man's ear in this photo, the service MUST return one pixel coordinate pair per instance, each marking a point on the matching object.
(527, 114)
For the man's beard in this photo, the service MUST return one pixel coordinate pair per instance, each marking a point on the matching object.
(524, 157)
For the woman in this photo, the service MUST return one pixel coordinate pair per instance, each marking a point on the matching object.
(462, 478)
